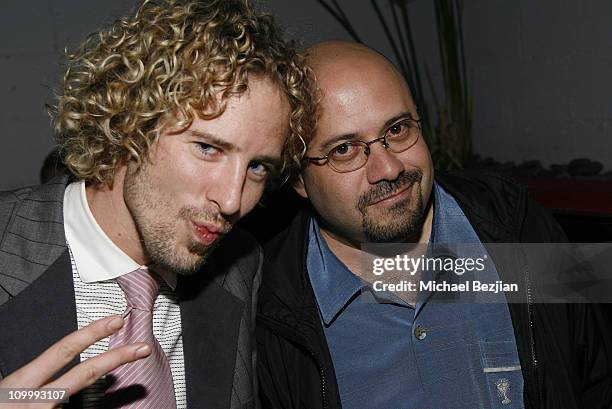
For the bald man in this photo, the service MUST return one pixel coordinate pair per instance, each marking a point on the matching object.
(328, 338)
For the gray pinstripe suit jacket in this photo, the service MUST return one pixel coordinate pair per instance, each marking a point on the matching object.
(37, 304)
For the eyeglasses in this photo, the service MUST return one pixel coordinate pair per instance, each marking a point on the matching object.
(352, 155)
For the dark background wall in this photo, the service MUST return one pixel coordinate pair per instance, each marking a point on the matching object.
(540, 71)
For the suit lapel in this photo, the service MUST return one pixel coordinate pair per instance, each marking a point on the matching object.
(38, 316)
(210, 318)
(36, 273)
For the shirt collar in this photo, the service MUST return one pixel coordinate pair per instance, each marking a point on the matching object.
(96, 257)
(333, 283)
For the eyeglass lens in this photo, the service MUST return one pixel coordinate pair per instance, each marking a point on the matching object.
(352, 155)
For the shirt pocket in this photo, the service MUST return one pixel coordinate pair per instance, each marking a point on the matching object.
(502, 373)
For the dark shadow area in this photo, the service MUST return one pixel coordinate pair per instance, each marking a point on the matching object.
(585, 228)
(52, 166)
(123, 396)
(274, 214)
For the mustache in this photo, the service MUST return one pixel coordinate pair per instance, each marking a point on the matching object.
(204, 216)
(385, 188)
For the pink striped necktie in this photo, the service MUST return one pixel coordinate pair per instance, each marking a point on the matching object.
(146, 383)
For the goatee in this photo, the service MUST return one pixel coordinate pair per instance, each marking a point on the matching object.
(403, 221)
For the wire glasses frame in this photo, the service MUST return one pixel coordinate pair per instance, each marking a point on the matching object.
(352, 155)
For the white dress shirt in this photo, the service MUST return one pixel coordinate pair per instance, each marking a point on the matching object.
(96, 263)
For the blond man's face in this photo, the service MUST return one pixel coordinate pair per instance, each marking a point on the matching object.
(199, 182)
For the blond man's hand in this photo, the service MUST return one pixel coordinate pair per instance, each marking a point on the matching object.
(39, 373)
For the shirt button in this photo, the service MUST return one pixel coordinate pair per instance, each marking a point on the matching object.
(420, 333)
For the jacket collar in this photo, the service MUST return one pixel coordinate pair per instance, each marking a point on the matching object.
(210, 319)
(34, 237)
(41, 314)
(493, 204)
(285, 282)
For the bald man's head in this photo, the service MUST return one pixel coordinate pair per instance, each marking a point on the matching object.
(350, 62)
(350, 184)
(337, 51)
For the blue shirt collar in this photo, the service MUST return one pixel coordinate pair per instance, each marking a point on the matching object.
(333, 283)
(449, 222)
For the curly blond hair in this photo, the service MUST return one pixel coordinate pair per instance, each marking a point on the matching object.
(172, 58)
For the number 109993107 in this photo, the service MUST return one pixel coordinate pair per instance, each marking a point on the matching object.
(32, 395)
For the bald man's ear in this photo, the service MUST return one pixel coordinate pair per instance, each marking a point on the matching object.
(298, 184)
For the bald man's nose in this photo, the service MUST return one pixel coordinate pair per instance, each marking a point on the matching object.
(382, 165)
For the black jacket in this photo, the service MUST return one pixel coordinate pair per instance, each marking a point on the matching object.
(566, 361)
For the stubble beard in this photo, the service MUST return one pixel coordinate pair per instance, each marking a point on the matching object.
(400, 223)
(157, 227)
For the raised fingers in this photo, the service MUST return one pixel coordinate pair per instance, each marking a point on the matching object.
(43, 367)
(92, 369)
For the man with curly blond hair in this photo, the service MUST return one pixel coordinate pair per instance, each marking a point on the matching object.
(173, 122)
